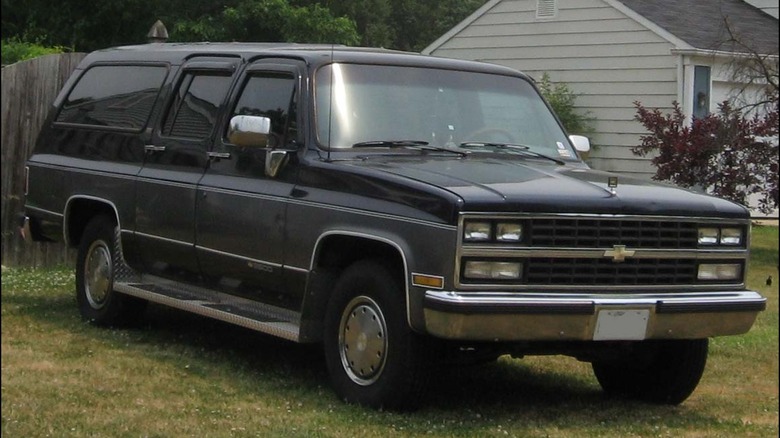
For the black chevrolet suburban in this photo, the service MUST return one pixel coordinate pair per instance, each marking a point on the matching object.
(407, 212)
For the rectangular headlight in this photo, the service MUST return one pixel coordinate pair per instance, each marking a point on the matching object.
(477, 269)
(731, 236)
(708, 236)
(720, 271)
(509, 232)
(477, 231)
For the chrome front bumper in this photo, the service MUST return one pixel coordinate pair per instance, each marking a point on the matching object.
(502, 316)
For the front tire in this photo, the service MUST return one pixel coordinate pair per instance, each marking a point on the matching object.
(664, 372)
(373, 357)
(96, 265)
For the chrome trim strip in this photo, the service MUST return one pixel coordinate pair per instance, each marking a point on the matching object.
(495, 316)
(162, 182)
(236, 256)
(509, 216)
(525, 288)
(91, 198)
(598, 253)
(87, 171)
(296, 269)
(164, 239)
(407, 277)
(44, 211)
(211, 189)
(502, 298)
(251, 260)
(498, 250)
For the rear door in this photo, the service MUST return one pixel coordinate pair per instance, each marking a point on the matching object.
(175, 161)
(241, 211)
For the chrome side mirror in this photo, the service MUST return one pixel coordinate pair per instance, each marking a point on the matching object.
(581, 143)
(249, 131)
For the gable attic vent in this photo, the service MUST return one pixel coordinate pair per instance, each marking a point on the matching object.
(546, 8)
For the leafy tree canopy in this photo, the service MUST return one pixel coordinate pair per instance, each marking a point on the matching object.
(84, 25)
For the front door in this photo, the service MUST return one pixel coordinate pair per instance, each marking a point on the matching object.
(241, 211)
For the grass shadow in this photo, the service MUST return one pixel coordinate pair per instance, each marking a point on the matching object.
(503, 391)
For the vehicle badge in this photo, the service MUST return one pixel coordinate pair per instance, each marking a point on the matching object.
(619, 253)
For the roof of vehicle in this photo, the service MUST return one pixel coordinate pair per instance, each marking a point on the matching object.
(312, 54)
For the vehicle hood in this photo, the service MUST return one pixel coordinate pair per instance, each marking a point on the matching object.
(503, 183)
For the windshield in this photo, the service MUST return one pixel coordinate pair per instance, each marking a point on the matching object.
(377, 106)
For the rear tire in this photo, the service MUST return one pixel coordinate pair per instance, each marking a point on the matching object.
(373, 357)
(664, 372)
(96, 265)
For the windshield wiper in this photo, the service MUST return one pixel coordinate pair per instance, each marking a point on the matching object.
(414, 144)
(389, 143)
(520, 148)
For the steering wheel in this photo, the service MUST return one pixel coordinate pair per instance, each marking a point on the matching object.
(487, 134)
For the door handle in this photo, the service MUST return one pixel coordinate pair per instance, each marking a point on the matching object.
(153, 148)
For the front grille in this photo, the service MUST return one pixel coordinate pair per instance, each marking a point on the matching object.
(605, 233)
(585, 271)
(599, 252)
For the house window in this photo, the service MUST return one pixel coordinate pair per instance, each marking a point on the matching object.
(546, 8)
(701, 91)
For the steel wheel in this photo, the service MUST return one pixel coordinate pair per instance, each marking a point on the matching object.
(98, 274)
(373, 357)
(363, 340)
(97, 263)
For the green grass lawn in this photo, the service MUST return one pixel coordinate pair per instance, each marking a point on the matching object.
(183, 375)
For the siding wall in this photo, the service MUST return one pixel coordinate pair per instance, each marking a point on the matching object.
(608, 58)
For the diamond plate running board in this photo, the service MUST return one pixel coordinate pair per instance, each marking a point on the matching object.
(234, 310)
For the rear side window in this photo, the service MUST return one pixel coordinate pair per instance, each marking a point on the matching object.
(114, 96)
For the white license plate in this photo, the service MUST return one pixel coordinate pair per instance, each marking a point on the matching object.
(621, 325)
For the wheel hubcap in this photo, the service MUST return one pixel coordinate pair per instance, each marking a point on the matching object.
(97, 274)
(363, 340)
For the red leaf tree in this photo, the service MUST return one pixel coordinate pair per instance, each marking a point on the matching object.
(727, 153)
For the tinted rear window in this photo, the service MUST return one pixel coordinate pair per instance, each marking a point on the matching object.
(114, 96)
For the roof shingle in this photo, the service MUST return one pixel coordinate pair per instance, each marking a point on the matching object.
(702, 24)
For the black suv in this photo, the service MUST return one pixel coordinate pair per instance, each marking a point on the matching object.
(405, 211)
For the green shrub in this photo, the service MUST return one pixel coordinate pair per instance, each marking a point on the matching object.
(14, 50)
(561, 99)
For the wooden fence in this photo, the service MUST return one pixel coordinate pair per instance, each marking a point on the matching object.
(28, 91)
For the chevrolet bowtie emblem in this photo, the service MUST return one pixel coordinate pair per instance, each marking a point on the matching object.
(619, 253)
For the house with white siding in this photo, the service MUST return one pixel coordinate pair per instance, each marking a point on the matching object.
(615, 52)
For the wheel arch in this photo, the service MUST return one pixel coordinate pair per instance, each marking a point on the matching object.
(333, 252)
(79, 210)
